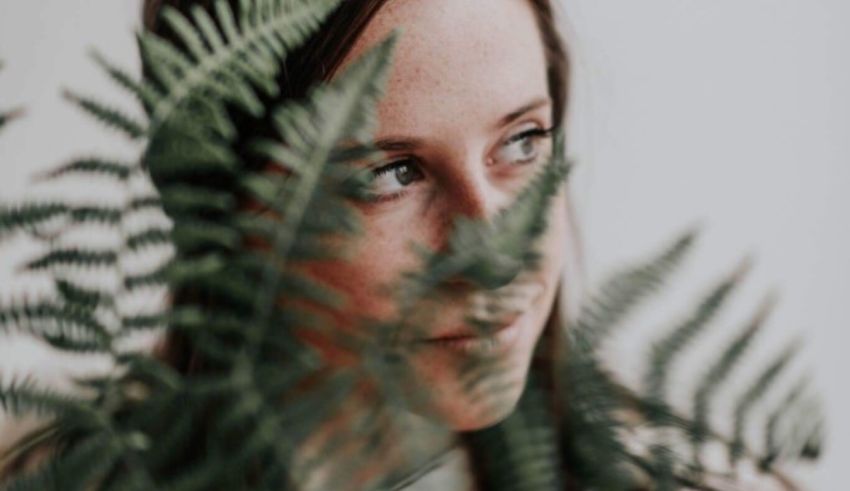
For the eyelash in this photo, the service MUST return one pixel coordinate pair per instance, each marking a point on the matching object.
(534, 132)
(388, 168)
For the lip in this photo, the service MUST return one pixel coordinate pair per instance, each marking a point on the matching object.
(468, 332)
(469, 341)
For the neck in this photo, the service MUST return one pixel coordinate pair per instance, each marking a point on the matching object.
(363, 445)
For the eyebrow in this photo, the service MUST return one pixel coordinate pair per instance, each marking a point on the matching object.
(399, 144)
(396, 144)
(514, 115)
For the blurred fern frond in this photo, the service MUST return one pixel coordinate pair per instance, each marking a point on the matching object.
(7, 115)
(637, 431)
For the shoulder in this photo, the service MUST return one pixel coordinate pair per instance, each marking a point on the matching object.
(451, 470)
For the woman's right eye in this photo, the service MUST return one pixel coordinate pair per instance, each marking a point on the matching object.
(391, 179)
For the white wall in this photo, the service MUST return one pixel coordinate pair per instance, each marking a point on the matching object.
(44, 46)
(736, 114)
(733, 113)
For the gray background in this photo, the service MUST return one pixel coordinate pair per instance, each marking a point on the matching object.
(733, 114)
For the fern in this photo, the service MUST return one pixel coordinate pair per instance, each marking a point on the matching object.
(146, 425)
(715, 376)
(593, 431)
(7, 116)
(753, 394)
(663, 355)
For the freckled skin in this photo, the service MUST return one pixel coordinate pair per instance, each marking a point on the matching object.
(460, 66)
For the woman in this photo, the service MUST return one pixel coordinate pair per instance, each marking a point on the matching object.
(475, 92)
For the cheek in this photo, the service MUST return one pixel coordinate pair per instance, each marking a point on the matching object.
(371, 262)
(374, 262)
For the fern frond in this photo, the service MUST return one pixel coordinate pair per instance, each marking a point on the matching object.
(94, 214)
(592, 432)
(109, 116)
(282, 27)
(152, 279)
(593, 399)
(73, 257)
(143, 93)
(150, 237)
(753, 395)
(720, 371)
(7, 116)
(143, 322)
(184, 200)
(30, 217)
(493, 253)
(626, 290)
(62, 326)
(814, 441)
(668, 348)
(144, 203)
(341, 110)
(522, 452)
(200, 235)
(92, 167)
(773, 448)
(83, 298)
(25, 398)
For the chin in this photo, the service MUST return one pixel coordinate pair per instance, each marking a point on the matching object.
(454, 401)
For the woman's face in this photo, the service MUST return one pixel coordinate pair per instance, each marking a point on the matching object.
(461, 123)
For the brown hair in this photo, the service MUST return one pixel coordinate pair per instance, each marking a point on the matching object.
(316, 61)
(321, 55)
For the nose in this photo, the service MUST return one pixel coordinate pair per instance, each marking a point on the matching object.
(468, 192)
(471, 193)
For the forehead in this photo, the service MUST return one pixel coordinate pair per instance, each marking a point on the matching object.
(457, 62)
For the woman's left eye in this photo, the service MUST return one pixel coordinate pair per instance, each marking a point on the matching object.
(522, 148)
(391, 180)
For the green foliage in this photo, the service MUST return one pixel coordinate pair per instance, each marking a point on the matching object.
(593, 432)
(753, 394)
(262, 393)
(8, 116)
(719, 372)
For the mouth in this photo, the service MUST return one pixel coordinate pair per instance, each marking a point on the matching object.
(480, 328)
(496, 321)
(497, 338)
